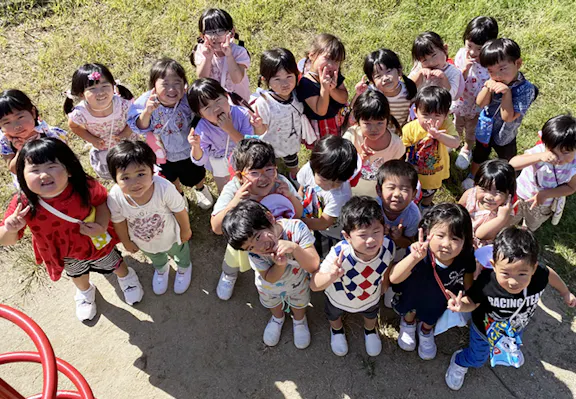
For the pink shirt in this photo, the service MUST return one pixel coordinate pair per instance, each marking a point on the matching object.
(465, 105)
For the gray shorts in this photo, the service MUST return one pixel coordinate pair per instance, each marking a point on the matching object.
(333, 313)
(532, 218)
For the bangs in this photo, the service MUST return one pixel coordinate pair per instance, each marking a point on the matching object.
(499, 50)
(213, 19)
(329, 46)
(12, 101)
(426, 44)
(41, 153)
(433, 100)
(202, 91)
(274, 60)
(162, 67)
(383, 58)
(371, 105)
(499, 173)
(81, 78)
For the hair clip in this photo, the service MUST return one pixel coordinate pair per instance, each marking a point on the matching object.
(252, 136)
(94, 76)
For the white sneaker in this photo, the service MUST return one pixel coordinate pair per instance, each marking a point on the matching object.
(455, 374)
(301, 334)
(463, 160)
(204, 198)
(338, 343)
(373, 344)
(131, 287)
(272, 331)
(86, 303)
(225, 286)
(426, 344)
(160, 280)
(407, 336)
(388, 297)
(182, 280)
(468, 183)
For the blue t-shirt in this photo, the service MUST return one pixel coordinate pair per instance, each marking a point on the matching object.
(410, 218)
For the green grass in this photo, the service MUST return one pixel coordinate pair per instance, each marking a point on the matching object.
(42, 42)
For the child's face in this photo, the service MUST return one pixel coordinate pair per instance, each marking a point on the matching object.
(216, 37)
(215, 109)
(100, 95)
(436, 60)
(282, 83)
(396, 193)
(18, 127)
(429, 119)
(366, 240)
(515, 276)
(321, 61)
(373, 129)
(262, 180)
(505, 71)
(264, 242)
(135, 180)
(564, 156)
(386, 79)
(170, 89)
(326, 184)
(491, 199)
(444, 245)
(472, 50)
(47, 180)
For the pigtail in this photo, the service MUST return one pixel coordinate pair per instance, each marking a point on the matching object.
(193, 52)
(410, 87)
(68, 103)
(397, 127)
(124, 92)
(238, 100)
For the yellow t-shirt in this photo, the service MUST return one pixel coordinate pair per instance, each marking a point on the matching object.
(429, 156)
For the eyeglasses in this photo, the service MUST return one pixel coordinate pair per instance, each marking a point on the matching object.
(216, 32)
(255, 174)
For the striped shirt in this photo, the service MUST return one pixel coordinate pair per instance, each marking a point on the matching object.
(400, 105)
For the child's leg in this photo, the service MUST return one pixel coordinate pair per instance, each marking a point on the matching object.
(410, 317)
(370, 324)
(372, 340)
(181, 255)
(129, 283)
(161, 267)
(477, 352)
(178, 186)
(300, 328)
(291, 162)
(273, 329)
(299, 314)
(85, 298)
(427, 197)
(470, 131)
(338, 341)
(122, 270)
(507, 151)
(82, 282)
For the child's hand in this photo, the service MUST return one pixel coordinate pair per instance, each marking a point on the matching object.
(242, 193)
(361, 86)
(130, 247)
(98, 143)
(504, 209)
(226, 46)
(285, 247)
(500, 88)
(16, 222)
(425, 73)
(455, 301)
(283, 188)
(152, 103)
(537, 200)
(92, 229)
(468, 62)
(365, 152)
(194, 139)
(255, 119)
(336, 271)
(569, 299)
(433, 130)
(396, 232)
(549, 157)
(489, 84)
(419, 249)
(185, 235)
(225, 122)
(206, 48)
(437, 74)
(325, 80)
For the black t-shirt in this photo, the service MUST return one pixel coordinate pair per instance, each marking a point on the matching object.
(497, 304)
(310, 88)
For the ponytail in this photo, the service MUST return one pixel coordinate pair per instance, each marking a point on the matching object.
(410, 87)
(68, 103)
(124, 92)
(238, 100)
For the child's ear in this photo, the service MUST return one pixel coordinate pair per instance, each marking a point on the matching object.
(270, 217)
(379, 190)
(239, 176)
(518, 63)
(345, 235)
(492, 263)
(414, 192)
(446, 49)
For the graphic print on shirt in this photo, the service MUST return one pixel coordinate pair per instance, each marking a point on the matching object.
(504, 308)
(312, 203)
(148, 227)
(370, 168)
(425, 156)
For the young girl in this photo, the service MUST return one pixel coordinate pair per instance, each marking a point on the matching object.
(322, 88)
(164, 111)
(442, 262)
(67, 214)
(375, 139)
(100, 118)
(221, 127)
(383, 70)
(431, 67)
(216, 56)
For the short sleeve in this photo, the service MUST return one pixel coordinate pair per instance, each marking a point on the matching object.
(77, 117)
(408, 134)
(263, 110)
(302, 234)
(326, 265)
(173, 199)
(244, 126)
(412, 220)
(56, 132)
(198, 57)
(524, 99)
(134, 113)
(398, 148)
(334, 203)
(459, 59)
(306, 89)
(5, 147)
(258, 262)
(116, 215)
(226, 196)
(98, 194)
(475, 293)
(241, 56)
(469, 262)
(305, 176)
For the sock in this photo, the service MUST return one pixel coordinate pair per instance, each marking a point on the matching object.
(372, 331)
(409, 322)
(339, 331)
(425, 331)
(277, 320)
(182, 270)
(163, 269)
(296, 322)
(88, 290)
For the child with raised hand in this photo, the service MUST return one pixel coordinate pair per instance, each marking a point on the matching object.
(502, 301)
(376, 138)
(221, 127)
(383, 71)
(355, 272)
(431, 67)
(216, 55)
(282, 253)
(101, 115)
(548, 173)
(427, 139)
(441, 260)
(256, 178)
(149, 214)
(505, 99)
(478, 31)
(322, 88)
(67, 214)
(164, 112)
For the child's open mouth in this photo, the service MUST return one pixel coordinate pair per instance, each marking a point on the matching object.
(46, 184)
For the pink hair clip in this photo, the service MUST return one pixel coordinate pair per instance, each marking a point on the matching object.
(94, 76)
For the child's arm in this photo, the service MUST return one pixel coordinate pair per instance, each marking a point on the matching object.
(485, 96)
(524, 160)
(85, 135)
(122, 231)
(242, 193)
(126, 133)
(559, 285)
(320, 281)
(321, 223)
(203, 66)
(143, 121)
(468, 280)
(196, 150)
(100, 225)
(307, 258)
(11, 161)
(460, 303)
(12, 225)
(402, 270)
(319, 104)
(227, 124)
(286, 192)
(184, 222)
(235, 70)
(397, 235)
(562, 190)
(490, 229)
(443, 137)
(507, 107)
(464, 198)
(441, 78)
(339, 94)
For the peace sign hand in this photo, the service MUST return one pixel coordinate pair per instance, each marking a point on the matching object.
(396, 232)
(255, 119)
(419, 249)
(504, 210)
(325, 80)
(336, 271)
(455, 301)
(433, 130)
(226, 46)
(16, 222)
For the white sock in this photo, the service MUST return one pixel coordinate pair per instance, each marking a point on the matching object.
(277, 320)
(302, 321)
(89, 289)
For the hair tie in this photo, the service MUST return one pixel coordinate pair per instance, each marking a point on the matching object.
(252, 136)
(69, 95)
(117, 82)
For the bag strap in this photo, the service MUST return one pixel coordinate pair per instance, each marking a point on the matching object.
(521, 305)
(56, 212)
(433, 259)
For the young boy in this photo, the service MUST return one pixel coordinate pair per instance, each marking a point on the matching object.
(256, 177)
(355, 271)
(507, 294)
(506, 97)
(282, 253)
(427, 138)
(149, 214)
(548, 173)
(324, 187)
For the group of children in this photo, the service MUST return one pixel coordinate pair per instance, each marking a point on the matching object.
(357, 221)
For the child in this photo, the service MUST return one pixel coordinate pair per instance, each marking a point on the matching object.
(431, 67)
(548, 173)
(322, 88)
(149, 214)
(221, 127)
(216, 56)
(383, 70)
(164, 111)
(256, 177)
(282, 253)
(477, 32)
(69, 220)
(425, 275)
(505, 99)
(502, 299)
(427, 137)
(355, 271)
(374, 138)
(100, 118)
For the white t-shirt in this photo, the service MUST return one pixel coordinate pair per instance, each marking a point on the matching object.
(152, 226)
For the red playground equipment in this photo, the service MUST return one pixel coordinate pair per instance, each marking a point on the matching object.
(51, 365)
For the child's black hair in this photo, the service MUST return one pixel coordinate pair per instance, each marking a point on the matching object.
(274, 60)
(51, 149)
(515, 243)
(334, 158)
(162, 67)
(397, 168)
(329, 45)
(499, 173)
(373, 105)
(252, 154)
(359, 212)
(12, 101)
(387, 59)
(427, 43)
(560, 132)
(129, 152)
(243, 221)
(499, 50)
(204, 90)
(81, 81)
(480, 30)
(433, 100)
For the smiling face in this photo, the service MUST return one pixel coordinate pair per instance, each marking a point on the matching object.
(214, 109)
(513, 276)
(263, 242)
(386, 79)
(136, 181)
(216, 37)
(47, 180)
(505, 71)
(283, 83)
(18, 127)
(564, 156)
(170, 89)
(99, 96)
(472, 50)
(492, 199)
(262, 180)
(429, 119)
(436, 60)
(444, 245)
(396, 193)
(366, 240)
